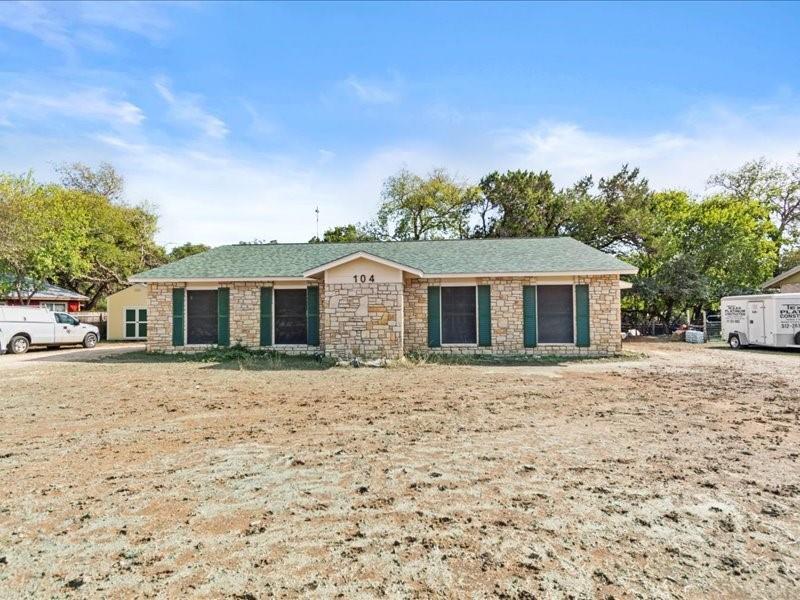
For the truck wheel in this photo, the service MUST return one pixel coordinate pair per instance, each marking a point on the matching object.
(797, 338)
(19, 344)
(90, 341)
(734, 342)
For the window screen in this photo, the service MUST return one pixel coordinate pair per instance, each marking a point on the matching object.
(201, 317)
(554, 310)
(458, 315)
(290, 317)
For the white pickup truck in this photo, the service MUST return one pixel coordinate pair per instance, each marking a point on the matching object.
(22, 327)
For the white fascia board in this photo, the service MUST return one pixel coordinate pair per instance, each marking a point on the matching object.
(629, 271)
(214, 279)
(365, 255)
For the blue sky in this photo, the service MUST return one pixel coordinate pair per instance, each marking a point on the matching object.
(236, 120)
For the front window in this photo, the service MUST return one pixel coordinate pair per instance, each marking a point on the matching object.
(55, 306)
(290, 317)
(554, 312)
(135, 322)
(201, 316)
(459, 321)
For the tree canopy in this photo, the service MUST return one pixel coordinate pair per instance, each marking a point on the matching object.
(345, 233)
(82, 233)
(184, 250)
(73, 236)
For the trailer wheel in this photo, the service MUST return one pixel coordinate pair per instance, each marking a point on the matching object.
(734, 342)
(797, 338)
(19, 344)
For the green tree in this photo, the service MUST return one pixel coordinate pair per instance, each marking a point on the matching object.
(776, 186)
(72, 236)
(121, 240)
(187, 249)
(524, 204)
(789, 260)
(612, 217)
(103, 181)
(345, 233)
(41, 234)
(690, 253)
(416, 208)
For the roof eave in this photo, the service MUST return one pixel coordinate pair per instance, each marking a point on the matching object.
(266, 278)
(778, 278)
(626, 271)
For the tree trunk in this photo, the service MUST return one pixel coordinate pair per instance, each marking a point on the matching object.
(94, 298)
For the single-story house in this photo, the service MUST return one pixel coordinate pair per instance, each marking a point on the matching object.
(385, 299)
(49, 296)
(786, 282)
(127, 313)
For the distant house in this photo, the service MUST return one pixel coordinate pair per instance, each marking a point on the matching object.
(127, 313)
(386, 299)
(50, 296)
(786, 282)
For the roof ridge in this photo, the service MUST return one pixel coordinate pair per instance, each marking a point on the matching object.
(486, 239)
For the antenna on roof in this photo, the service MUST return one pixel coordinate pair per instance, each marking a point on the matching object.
(316, 210)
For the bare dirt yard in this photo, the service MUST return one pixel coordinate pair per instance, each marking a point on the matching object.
(673, 476)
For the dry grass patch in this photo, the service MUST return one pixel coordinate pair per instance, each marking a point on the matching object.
(673, 476)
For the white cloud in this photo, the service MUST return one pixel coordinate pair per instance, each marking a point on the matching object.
(142, 18)
(187, 108)
(207, 193)
(372, 92)
(68, 27)
(36, 19)
(94, 104)
(706, 140)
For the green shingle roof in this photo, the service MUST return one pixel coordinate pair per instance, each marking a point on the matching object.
(436, 257)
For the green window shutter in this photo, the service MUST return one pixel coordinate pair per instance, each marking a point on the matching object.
(266, 316)
(143, 330)
(143, 315)
(484, 315)
(130, 314)
(582, 316)
(312, 315)
(130, 330)
(529, 315)
(177, 316)
(434, 317)
(224, 317)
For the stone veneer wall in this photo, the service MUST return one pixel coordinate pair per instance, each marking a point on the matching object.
(506, 301)
(375, 320)
(159, 316)
(363, 319)
(245, 317)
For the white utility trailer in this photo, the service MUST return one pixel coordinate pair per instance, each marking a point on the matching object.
(763, 320)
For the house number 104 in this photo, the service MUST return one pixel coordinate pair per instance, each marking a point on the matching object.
(363, 278)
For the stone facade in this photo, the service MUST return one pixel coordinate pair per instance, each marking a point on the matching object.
(159, 316)
(245, 317)
(386, 320)
(363, 320)
(506, 307)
